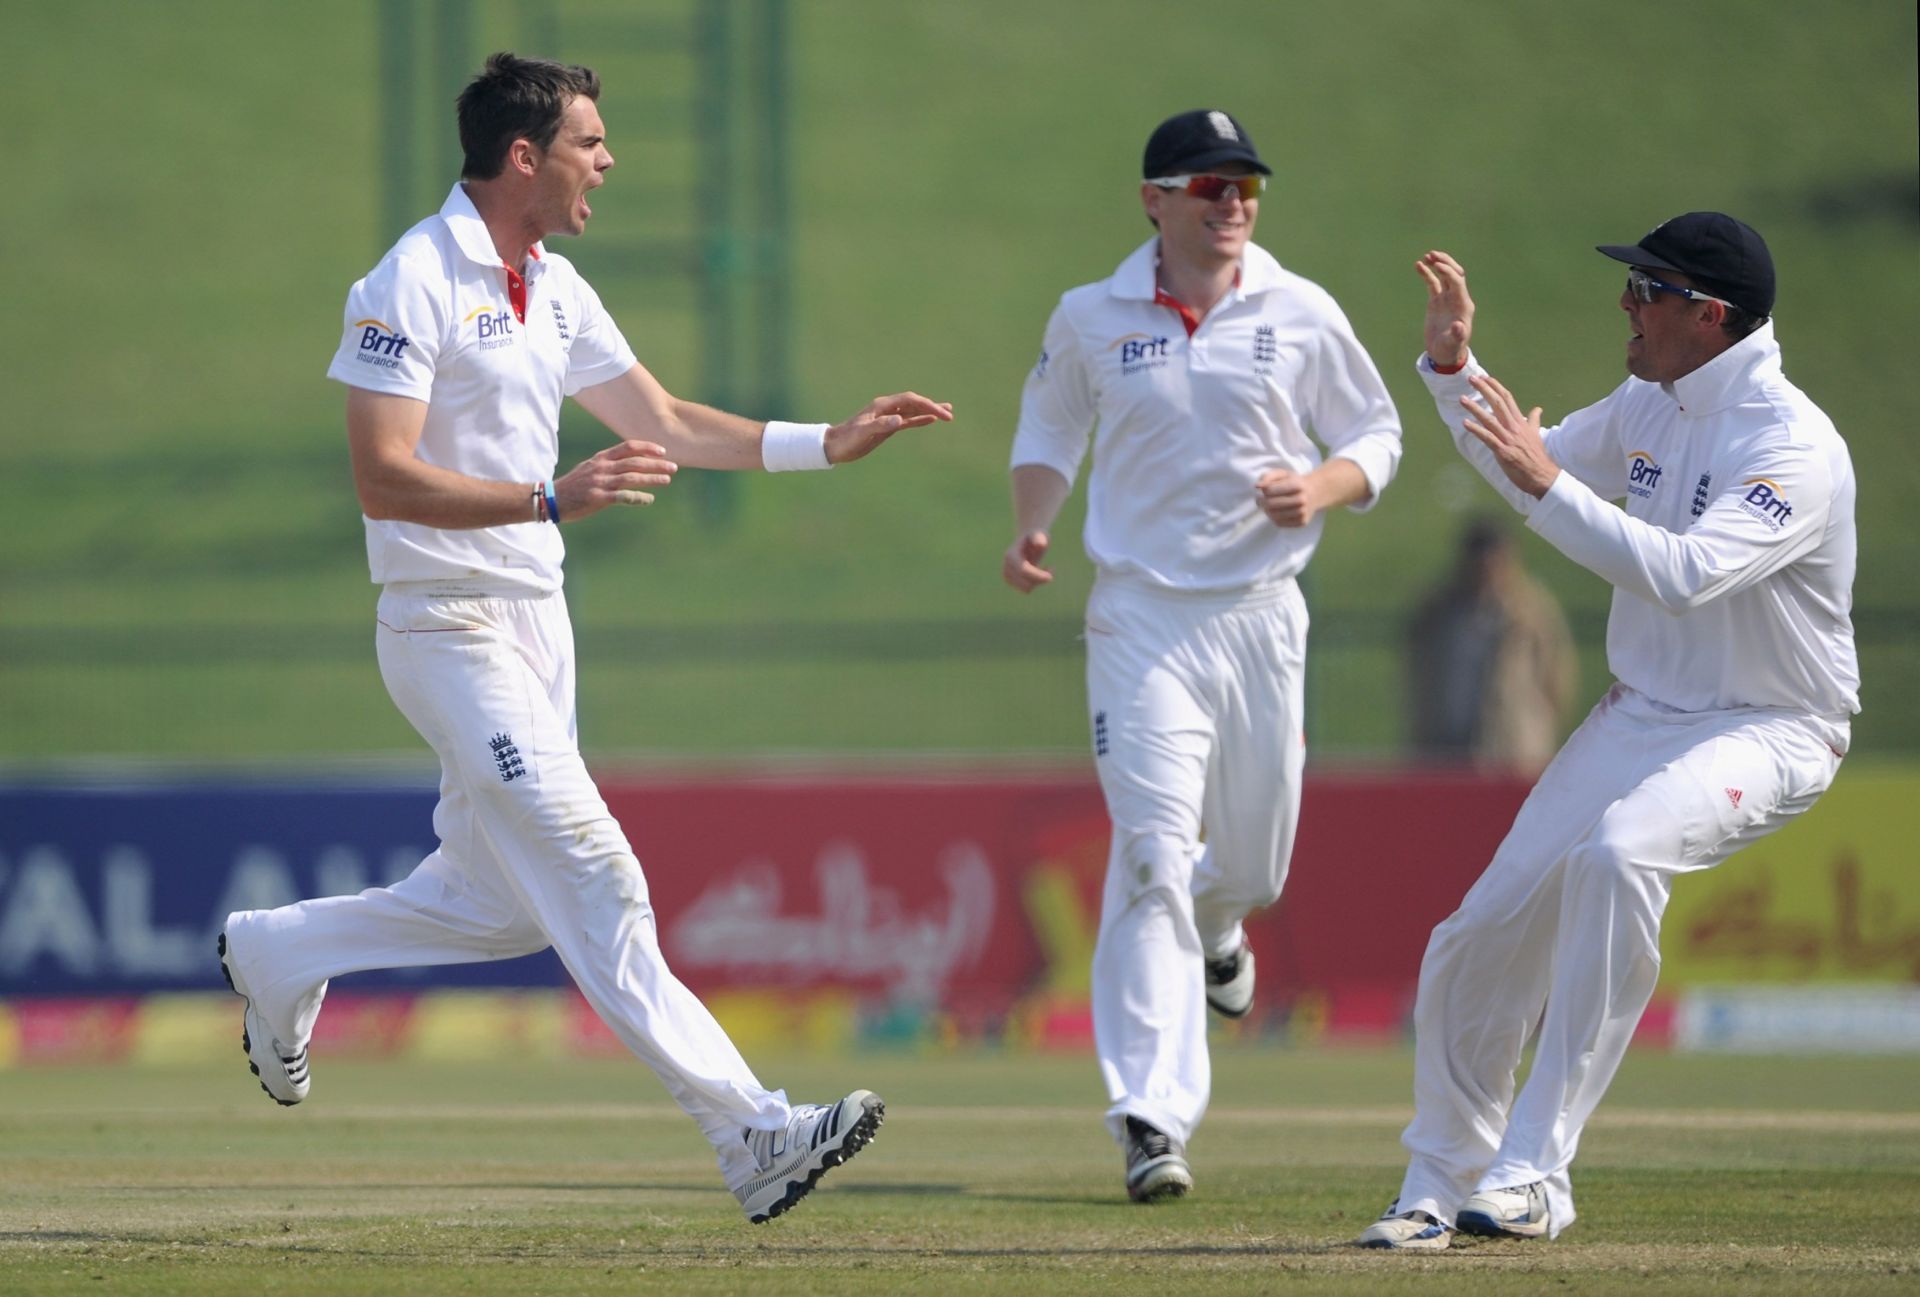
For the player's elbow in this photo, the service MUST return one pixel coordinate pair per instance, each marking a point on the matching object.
(383, 495)
(1687, 580)
(1680, 598)
(378, 509)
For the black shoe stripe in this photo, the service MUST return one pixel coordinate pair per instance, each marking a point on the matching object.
(828, 1126)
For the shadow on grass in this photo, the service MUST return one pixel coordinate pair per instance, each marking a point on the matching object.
(759, 1239)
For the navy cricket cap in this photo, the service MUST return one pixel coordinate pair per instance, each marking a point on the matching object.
(1723, 256)
(1198, 141)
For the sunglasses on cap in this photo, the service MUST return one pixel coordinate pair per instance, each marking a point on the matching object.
(1209, 188)
(1645, 289)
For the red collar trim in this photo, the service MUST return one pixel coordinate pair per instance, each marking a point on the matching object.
(1161, 297)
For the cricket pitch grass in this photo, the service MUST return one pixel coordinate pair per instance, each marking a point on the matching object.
(992, 1174)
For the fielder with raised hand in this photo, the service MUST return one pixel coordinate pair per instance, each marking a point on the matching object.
(1730, 640)
(458, 349)
(1210, 373)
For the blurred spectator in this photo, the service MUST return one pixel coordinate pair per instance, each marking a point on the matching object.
(1490, 663)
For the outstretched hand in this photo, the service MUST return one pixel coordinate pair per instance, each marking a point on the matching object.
(1513, 437)
(1449, 309)
(881, 418)
(619, 474)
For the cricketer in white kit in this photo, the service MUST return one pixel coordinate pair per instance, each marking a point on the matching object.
(1204, 375)
(1731, 641)
(458, 349)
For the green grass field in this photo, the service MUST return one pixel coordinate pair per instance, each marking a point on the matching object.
(992, 1175)
(199, 185)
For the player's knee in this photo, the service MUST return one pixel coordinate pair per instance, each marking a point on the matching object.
(1617, 865)
(523, 935)
(1267, 892)
(1607, 857)
(610, 883)
(1154, 862)
(1459, 931)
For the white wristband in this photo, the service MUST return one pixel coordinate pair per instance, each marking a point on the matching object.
(791, 447)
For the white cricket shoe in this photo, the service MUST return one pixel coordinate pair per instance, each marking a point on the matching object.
(1516, 1212)
(1230, 983)
(1405, 1231)
(791, 1161)
(1156, 1164)
(282, 1069)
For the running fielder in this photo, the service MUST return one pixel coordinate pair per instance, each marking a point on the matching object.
(458, 349)
(1732, 566)
(1210, 373)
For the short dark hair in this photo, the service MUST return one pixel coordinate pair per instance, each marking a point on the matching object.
(1738, 322)
(511, 99)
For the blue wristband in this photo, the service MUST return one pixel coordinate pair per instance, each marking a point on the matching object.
(553, 505)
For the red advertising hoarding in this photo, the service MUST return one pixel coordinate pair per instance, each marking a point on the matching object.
(978, 898)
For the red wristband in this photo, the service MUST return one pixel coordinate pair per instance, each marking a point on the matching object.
(1439, 368)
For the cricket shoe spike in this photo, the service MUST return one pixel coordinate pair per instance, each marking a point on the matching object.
(1230, 983)
(1156, 1164)
(1516, 1212)
(1405, 1231)
(282, 1071)
(817, 1137)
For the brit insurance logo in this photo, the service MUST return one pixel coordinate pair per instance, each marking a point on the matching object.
(1140, 351)
(1643, 475)
(1765, 501)
(493, 326)
(380, 344)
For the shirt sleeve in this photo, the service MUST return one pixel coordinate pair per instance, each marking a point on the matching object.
(394, 327)
(1585, 444)
(1771, 513)
(1057, 407)
(1349, 411)
(600, 352)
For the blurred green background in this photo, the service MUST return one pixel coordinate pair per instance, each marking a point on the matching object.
(197, 185)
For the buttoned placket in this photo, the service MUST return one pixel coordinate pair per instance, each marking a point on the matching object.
(1198, 341)
(520, 286)
(516, 293)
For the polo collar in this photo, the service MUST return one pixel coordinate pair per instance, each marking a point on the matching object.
(469, 232)
(1136, 280)
(1729, 377)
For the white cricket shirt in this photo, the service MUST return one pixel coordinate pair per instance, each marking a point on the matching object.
(1732, 562)
(1185, 426)
(437, 321)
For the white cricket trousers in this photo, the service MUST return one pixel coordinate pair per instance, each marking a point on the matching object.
(1567, 919)
(529, 857)
(1196, 703)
